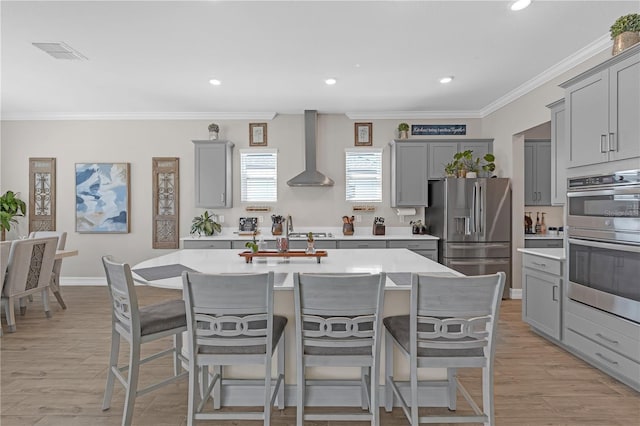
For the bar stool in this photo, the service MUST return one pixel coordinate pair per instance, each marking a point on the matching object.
(338, 324)
(452, 324)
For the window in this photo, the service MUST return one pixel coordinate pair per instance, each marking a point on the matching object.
(259, 175)
(363, 174)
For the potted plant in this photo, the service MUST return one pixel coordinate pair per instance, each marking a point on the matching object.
(490, 166)
(252, 245)
(310, 243)
(464, 162)
(11, 207)
(204, 224)
(403, 130)
(213, 131)
(465, 165)
(450, 169)
(625, 32)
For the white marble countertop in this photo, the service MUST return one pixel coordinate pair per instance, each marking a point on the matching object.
(550, 253)
(543, 237)
(360, 233)
(337, 261)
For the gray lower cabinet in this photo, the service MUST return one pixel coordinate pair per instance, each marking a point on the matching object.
(541, 294)
(543, 243)
(428, 248)
(608, 342)
(207, 244)
(558, 146)
(213, 174)
(537, 173)
(362, 244)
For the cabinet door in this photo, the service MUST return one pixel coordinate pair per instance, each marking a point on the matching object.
(541, 302)
(530, 193)
(624, 111)
(439, 155)
(588, 127)
(558, 164)
(411, 174)
(543, 173)
(213, 174)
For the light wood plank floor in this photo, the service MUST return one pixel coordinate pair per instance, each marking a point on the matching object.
(53, 373)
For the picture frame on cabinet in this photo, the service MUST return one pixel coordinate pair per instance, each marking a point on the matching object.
(363, 134)
(103, 201)
(257, 134)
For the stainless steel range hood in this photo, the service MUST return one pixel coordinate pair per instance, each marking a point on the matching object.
(310, 176)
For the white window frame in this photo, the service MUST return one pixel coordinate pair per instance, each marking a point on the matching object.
(352, 179)
(272, 196)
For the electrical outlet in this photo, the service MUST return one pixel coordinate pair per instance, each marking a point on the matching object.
(358, 218)
(260, 219)
(221, 218)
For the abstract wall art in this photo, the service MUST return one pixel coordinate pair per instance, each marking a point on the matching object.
(102, 198)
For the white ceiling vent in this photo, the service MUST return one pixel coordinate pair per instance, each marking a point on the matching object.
(60, 51)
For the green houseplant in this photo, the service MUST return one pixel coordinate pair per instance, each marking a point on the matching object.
(11, 207)
(403, 130)
(464, 162)
(213, 131)
(625, 32)
(205, 224)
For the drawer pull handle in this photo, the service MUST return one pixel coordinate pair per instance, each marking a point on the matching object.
(605, 338)
(610, 361)
(553, 293)
(542, 265)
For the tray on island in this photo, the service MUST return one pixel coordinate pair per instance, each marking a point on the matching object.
(248, 255)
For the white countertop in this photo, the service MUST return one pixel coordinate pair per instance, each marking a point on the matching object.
(543, 237)
(337, 261)
(360, 233)
(550, 253)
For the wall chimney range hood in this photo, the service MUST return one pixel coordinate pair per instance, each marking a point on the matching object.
(310, 176)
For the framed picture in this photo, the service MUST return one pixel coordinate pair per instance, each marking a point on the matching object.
(257, 134)
(102, 198)
(363, 133)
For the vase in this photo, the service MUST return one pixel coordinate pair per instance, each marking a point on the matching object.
(276, 229)
(624, 41)
(213, 136)
(310, 247)
(404, 134)
(471, 175)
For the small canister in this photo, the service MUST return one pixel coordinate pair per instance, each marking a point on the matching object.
(552, 230)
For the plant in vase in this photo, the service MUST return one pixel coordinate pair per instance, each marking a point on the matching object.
(205, 224)
(310, 243)
(625, 32)
(403, 130)
(213, 131)
(11, 207)
(253, 244)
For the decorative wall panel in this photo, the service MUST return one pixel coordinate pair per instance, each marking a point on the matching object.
(42, 194)
(166, 202)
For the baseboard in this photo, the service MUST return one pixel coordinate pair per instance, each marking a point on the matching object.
(83, 281)
(515, 293)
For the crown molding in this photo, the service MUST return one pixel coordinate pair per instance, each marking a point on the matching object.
(558, 69)
(140, 116)
(411, 115)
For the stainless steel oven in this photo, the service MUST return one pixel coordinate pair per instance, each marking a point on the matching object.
(603, 217)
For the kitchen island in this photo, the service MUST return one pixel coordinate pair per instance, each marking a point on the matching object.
(397, 263)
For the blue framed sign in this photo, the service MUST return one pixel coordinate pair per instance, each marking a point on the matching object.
(438, 129)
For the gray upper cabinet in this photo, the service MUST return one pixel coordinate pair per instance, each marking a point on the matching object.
(537, 173)
(441, 153)
(602, 107)
(558, 164)
(213, 174)
(409, 182)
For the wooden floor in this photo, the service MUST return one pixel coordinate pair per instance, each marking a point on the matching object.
(53, 373)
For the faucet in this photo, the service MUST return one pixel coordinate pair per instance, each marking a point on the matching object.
(289, 224)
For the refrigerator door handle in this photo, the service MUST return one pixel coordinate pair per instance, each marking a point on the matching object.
(480, 209)
(474, 202)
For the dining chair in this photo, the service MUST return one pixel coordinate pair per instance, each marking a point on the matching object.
(451, 324)
(338, 324)
(28, 271)
(57, 264)
(5, 247)
(139, 325)
(231, 322)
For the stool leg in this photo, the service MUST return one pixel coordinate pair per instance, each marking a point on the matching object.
(45, 302)
(113, 363)
(487, 394)
(217, 388)
(452, 386)
(413, 373)
(177, 345)
(10, 312)
(281, 359)
(132, 385)
(193, 385)
(364, 399)
(300, 392)
(23, 305)
(388, 372)
(267, 392)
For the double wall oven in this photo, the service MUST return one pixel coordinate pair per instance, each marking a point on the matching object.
(603, 216)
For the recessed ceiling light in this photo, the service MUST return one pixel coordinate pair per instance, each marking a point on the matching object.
(215, 82)
(445, 80)
(331, 81)
(520, 4)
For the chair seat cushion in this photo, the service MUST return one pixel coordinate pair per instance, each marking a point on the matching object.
(279, 323)
(398, 326)
(162, 317)
(337, 350)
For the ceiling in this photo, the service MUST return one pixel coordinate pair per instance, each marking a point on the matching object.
(154, 59)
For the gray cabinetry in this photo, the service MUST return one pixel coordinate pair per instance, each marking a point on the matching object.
(558, 163)
(207, 244)
(427, 249)
(318, 245)
(213, 174)
(541, 294)
(441, 153)
(602, 107)
(409, 183)
(365, 244)
(543, 243)
(537, 173)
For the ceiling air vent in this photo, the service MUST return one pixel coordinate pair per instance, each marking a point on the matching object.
(60, 51)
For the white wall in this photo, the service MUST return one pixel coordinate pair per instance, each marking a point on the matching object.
(137, 142)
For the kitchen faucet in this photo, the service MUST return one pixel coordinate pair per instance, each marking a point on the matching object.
(289, 223)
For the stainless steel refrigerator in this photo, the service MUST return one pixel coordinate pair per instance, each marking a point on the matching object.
(472, 218)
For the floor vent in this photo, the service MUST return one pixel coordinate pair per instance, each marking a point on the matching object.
(60, 51)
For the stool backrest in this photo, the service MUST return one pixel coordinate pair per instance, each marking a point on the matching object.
(29, 265)
(124, 301)
(229, 309)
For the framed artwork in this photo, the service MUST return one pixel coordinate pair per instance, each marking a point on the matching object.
(42, 194)
(257, 134)
(102, 198)
(363, 133)
(166, 202)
